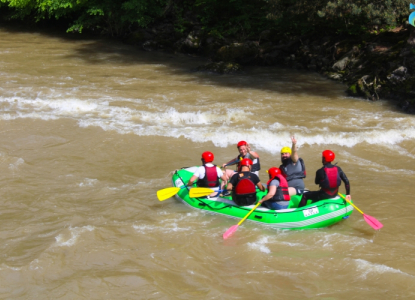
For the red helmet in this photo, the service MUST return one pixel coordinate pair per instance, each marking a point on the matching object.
(245, 162)
(208, 156)
(273, 172)
(241, 143)
(328, 155)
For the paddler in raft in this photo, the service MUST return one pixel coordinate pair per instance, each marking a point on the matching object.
(244, 152)
(208, 174)
(293, 168)
(243, 184)
(329, 178)
(278, 196)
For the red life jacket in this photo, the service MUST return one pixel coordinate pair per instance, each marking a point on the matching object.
(211, 178)
(244, 192)
(282, 193)
(332, 181)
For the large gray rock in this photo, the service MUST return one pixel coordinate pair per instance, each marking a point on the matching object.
(348, 58)
(341, 64)
(220, 67)
(335, 76)
(398, 75)
(192, 41)
(401, 71)
(150, 45)
(239, 52)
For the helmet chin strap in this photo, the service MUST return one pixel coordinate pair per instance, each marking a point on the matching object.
(327, 162)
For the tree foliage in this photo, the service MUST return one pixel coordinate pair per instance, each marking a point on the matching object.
(295, 16)
(338, 16)
(241, 18)
(237, 18)
(372, 12)
(111, 17)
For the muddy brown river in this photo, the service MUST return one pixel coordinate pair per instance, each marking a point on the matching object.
(91, 129)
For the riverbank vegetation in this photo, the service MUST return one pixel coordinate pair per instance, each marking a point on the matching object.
(368, 45)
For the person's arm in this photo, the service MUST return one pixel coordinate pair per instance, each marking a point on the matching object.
(294, 154)
(251, 153)
(319, 176)
(260, 186)
(192, 180)
(271, 192)
(224, 181)
(223, 177)
(231, 162)
(345, 180)
(231, 182)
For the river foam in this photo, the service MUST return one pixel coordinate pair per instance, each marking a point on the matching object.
(222, 126)
(67, 240)
(366, 268)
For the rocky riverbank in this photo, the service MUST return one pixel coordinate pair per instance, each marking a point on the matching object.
(375, 66)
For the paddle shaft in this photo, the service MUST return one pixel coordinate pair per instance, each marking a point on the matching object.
(224, 167)
(201, 192)
(240, 222)
(187, 187)
(351, 203)
(234, 162)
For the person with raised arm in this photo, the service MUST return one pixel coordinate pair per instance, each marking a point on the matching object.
(293, 167)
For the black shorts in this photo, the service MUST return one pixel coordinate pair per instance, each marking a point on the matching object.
(244, 200)
(317, 196)
(314, 197)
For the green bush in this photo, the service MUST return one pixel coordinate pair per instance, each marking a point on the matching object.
(110, 17)
(240, 19)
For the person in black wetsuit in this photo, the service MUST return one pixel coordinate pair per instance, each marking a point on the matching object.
(329, 178)
(243, 184)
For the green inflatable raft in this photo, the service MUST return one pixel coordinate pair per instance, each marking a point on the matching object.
(317, 215)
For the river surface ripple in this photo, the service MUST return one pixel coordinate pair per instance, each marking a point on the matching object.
(91, 129)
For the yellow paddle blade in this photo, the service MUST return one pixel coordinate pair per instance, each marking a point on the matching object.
(167, 193)
(200, 192)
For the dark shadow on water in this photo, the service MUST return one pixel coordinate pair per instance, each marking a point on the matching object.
(273, 79)
(96, 50)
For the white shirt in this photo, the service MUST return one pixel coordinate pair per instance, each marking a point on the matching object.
(200, 172)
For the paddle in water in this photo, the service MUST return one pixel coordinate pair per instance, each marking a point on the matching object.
(375, 224)
(231, 230)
